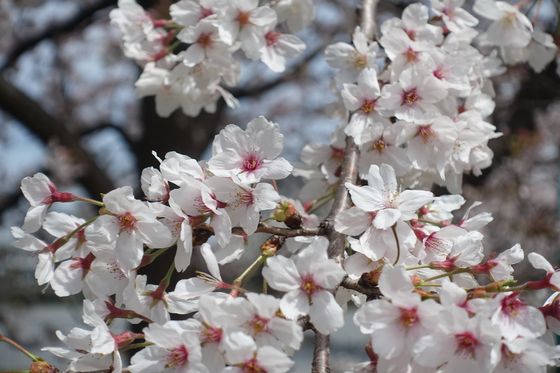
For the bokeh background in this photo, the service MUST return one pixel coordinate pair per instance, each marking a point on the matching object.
(68, 109)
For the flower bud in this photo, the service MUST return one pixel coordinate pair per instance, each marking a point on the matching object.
(286, 213)
(41, 366)
(371, 279)
(271, 246)
(478, 293)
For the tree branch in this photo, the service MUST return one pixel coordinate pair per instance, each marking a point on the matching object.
(46, 127)
(349, 174)
(109, 126)
(285, 77)
(368, 24)
(84, 15)
(357, 286)
(321, 354)
(278, 231)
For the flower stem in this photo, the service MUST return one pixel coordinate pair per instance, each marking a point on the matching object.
(167, 279)
(20, 348)
(80, 227)
(448, 274)
(320, 202)
(398, 244)
(257, 263)
(135, 346)
(92, 201)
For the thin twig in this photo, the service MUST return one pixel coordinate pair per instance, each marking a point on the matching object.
(278, 231)
(357, 286)
(83, 17)
(291, 74)
(46, 127)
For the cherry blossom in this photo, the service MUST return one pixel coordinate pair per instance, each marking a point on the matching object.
(308, 280)
(40, 191)
(350, 60)
(174, 350)
(412, 98)
(507, 20)
(366, 123)
(130, 224)
(249, 155)
(456, 18)
(244, 355)
(364, 228)
(396, 323)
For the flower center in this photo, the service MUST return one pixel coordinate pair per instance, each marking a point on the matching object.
(205, 12)
(205, 40)
(243, 18)
(425, 133)
(259, 324)
(509, 18)
(127, 222)
(438, 73)
(308, 285)
(410, 97)
(271, 38)
(510, 358)
(379, 145)
(252, 366)
(211, 334)
(177, 357)
(511, 305)
(411, 55)
(360, 61)
(411, 34)
(368, 106)
(466, 344)
(409, 317)
(251, 163)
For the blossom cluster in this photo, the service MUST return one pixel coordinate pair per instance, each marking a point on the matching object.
(414, 108)
(188, 58)
(419, 99)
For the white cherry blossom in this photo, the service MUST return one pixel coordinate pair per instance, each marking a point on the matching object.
(250, 155)
(308, 279)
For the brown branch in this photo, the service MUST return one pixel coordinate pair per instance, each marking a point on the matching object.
(46, 127)
(368, 24)
(286, 77)
(81, 17)
(278, 231)
(321, 354)
(113, 127)
(349, 174)
(360, 288)
(287, 232)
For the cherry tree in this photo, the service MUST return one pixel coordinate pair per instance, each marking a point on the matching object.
(415, 95)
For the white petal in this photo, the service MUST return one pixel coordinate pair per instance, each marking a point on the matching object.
(539, 262)
(386, 218)
(281, 273)
(294, 304)
(325, 314)
(210, 260)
